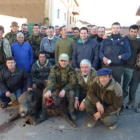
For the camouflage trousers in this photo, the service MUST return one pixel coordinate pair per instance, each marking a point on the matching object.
(91, 110)
(69, 96)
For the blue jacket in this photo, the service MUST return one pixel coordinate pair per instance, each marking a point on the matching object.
(87, 50)
(112, 48)
(48, 46)
(23, 55)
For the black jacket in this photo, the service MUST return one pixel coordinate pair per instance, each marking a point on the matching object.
(135, 48)
(15, 80)
(112, 48)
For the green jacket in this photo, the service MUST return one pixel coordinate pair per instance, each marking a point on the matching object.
(11, 37)
(40, 73)
(64, 45)
(109, 96)
(62, 78)
(35, 43)
(82, 87)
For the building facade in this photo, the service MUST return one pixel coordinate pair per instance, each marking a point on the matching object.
(49, 12)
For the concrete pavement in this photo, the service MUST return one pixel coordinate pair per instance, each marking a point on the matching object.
(56, 128)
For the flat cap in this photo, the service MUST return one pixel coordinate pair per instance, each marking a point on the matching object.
(104, 71)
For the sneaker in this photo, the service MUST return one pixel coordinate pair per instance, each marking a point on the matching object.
(138, 110)
(130, 105)
(113, 126)
(92, 125)
(73, 116)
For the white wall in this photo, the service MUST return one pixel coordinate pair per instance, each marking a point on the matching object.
(6, 22)
(55, 5)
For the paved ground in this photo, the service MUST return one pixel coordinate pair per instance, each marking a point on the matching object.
(56, 128)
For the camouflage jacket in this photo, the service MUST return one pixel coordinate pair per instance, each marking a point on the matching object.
(40, 73)
(6, 48)
(11, 37)
(62, 78)
(26, 35)
(109, 96)
(82, 86)
(35, 44)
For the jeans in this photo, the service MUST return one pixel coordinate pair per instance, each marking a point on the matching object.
(127, 77)
(6, 100)
(134, 85)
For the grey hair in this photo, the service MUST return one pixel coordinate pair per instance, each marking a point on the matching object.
(85, 61)
(20, 34)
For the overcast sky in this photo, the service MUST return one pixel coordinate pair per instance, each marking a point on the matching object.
(105, 12)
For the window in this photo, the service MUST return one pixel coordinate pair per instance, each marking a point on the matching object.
(58, 13)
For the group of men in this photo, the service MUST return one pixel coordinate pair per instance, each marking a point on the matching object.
(87, 68)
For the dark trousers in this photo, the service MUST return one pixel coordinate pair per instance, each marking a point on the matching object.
(69, 96)
(117, 72)
(134, 85)
(107, 120)
(127, 77)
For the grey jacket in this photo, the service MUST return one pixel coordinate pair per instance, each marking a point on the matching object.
(48, 46)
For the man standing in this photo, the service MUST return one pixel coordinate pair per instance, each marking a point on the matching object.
(61, 81)
(48, 44)
(24, 30)
(11, 36)
(35, 41)
(85, 79)
(64, 44)
(12, 80)
(40, 70)
(57, 32)
(76, 34)
(5, 49)
(43, 31)
(89, 29)
(114, 51)
(99, 39)
(129, 65)
(104, 99)
(93, 31)
(22, 52)
(86, 48)
(100, 35)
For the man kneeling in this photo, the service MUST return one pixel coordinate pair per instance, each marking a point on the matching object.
(104, 99)
(60, 82)
(12, 81)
